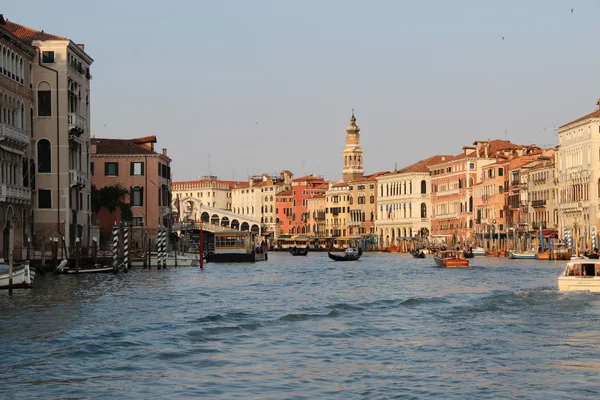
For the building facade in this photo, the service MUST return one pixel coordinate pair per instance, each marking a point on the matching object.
(146, 174)
(16, 128)
(208, 191)
(578, 177)
(404, 203)
(61, 83)
(337, 210)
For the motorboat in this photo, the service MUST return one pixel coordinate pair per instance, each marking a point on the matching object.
(350, 254)
(580, 275)
(22, 276)
(523, 255)
(450, 259)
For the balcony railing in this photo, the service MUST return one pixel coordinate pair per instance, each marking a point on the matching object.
(536, 225)
(15, 194)
(77, 177)
(447, 216)
(515, 183)
(538, 203)
(76, 122)
(14, 136)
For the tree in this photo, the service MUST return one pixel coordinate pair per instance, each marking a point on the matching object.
(111, 197)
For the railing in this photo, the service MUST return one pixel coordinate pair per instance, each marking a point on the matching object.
(447, 192)
(536, 225)
(14, 135)
(15, 194)
(515, 183)
(77, 177)
(538, 203)
(76, 121)
(447, 216)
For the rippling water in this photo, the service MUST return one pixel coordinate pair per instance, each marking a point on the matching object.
(387, 326)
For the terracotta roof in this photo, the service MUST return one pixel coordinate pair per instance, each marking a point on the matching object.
(422, 166)
(240, 185)
(339, 185)
(28, 34)
(288, 192)
(594, 114)
(145, 139)
(285, 171)
(119, 147)
(308, 178)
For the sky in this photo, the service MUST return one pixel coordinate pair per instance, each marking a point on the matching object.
(239, 88)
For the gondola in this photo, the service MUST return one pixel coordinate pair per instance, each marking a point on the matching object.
(299, 252)
(350, 254)
(418, 253)
(468, 254)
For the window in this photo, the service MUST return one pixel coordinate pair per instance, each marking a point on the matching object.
(44, 156)
(92, 168)
(44, 103)
(48, 57)
(111, 169)
(137, 168)
(500, 171)
(138, 221)
(471, 165)
(137, 196)
(45, 198)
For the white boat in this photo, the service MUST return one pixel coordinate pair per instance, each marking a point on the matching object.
(22, 276)
(523, 255)
(478, 251)
(182, 261)
(580, 275)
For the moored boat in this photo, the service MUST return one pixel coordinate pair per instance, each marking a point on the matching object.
(580, 275)
(350, 254)
(22, 276)
(523, 255)
(450, 259)
(478, 251)
(468, 253)
(65, 268)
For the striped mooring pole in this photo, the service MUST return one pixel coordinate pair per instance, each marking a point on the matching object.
(115, 249)
(164, 248)
(126, 248)
(159, 249)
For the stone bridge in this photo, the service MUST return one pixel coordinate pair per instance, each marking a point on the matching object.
(216, 219)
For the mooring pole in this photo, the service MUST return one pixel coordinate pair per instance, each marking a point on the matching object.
(115, 249)
(95, 251)
(77, 248)
(201, 255)
(126, 248)
(44, 251)
(11, 257)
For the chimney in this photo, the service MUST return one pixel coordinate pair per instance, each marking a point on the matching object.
(2, 20)
(93, 146)
(487, 145)
(164, 152)
(597, 103)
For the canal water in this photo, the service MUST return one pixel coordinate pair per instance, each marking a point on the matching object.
(387, 326)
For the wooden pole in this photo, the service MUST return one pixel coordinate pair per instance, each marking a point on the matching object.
(55, 251)
(77, 248)
(148, 261)
(167, 245)
(44, 251)
(201, 255)
(11, 256)
(28, 248)
(95, 251)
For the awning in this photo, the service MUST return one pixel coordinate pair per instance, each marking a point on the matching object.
(550, 233)
(285, 236)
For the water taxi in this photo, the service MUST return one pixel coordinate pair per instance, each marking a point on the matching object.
(580, 275)
(236, 246)
(450, 259)
(478, 251)
(522, 255)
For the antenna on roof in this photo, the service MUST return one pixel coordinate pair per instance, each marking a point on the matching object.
(505, 134)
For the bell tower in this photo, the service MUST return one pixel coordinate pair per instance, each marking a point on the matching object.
(353, 153)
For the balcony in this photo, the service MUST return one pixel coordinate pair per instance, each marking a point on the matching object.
(77, 178)
(15, 194)
(355, 223)
(447, 216)
(536, 225)
(76, 125)
(538, 203)
(14, 137)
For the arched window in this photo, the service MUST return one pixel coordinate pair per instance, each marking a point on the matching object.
(423, 210)
(423, 187)
(44, 156)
